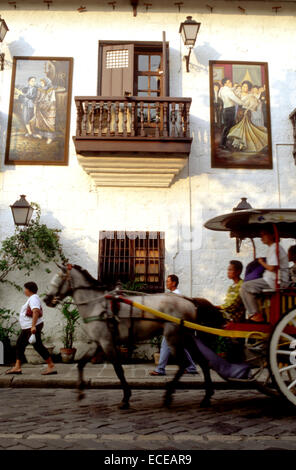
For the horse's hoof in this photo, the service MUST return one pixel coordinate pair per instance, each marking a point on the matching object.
(205, 403)
(167, 402)
(124, 406)
(80, 396)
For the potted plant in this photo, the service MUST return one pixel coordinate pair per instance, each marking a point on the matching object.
(156, 341)
(71, 316)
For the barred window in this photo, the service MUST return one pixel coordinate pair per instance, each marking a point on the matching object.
(132, 256)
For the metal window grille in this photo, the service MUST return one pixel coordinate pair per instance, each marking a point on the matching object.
(132, 256)
(117, 59)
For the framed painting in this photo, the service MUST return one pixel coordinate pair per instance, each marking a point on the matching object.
(39, 111)
(240, 115)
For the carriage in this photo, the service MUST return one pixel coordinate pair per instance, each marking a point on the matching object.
(270, 347)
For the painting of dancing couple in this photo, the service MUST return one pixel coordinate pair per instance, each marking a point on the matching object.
(39, 114)
(240, 115)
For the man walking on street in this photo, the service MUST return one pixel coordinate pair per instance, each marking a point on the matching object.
(172, 285)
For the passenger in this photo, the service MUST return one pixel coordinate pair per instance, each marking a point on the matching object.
(292, 257)
(233, 308)
(249, 289)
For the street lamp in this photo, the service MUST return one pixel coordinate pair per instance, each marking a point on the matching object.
(22, 211)
(3, 31)
(188, 30)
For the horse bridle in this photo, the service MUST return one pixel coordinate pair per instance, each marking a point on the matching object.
(67, 278)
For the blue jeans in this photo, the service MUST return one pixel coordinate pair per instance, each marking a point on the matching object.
(164, 357)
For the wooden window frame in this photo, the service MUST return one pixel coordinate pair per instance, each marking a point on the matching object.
(139, 46)
(118, 259)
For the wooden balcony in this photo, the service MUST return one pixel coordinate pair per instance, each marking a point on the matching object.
(132, 141)
(293, 120)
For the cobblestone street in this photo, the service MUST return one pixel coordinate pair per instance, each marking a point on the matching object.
(53, 419)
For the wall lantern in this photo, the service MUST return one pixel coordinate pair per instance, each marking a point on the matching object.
(188, 30)
(3, 31)
(22, 211)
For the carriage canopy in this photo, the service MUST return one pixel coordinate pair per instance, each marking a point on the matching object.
(248, 223)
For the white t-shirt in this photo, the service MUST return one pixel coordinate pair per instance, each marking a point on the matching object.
(33, 302)
(271, 259)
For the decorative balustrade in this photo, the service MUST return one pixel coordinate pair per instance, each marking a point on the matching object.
(133, 117)
(293, 120)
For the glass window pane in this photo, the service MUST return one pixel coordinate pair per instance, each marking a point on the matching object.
(153, 93)
(143, 83)
(155, 62)
(143, 63)
(154, 83)
(143, 93)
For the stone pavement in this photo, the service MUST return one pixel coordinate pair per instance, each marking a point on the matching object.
(103, 376)
(52, 419)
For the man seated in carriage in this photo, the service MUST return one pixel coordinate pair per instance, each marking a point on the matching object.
(250, 289)
(233, 308)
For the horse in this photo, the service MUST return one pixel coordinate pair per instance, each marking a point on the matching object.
(108, 324)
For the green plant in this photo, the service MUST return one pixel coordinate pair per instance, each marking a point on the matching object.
(29, 247)
(134, 286)
(8, 324)
(156, 341)
(71, 316)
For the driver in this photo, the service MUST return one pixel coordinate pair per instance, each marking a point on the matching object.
(249, 289)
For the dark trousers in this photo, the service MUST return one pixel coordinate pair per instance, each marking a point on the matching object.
(23, 341)
(229, 119)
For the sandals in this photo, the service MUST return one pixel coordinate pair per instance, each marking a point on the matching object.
(13, 372)
(52, 372)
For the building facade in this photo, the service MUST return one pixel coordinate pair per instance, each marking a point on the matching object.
(139, 183)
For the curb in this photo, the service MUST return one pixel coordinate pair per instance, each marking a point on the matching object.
(141, 384)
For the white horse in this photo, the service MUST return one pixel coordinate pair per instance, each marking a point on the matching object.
(108, 324)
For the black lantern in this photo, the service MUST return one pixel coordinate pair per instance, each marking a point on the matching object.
(242, 205)
(3, 29)
(188, 30)
(22, 211)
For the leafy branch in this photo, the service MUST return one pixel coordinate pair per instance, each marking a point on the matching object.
(30, 247)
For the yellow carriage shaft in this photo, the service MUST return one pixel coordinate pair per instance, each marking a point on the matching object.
(194, 326)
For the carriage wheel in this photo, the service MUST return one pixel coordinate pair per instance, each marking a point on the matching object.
(256, 357)
(282, 356)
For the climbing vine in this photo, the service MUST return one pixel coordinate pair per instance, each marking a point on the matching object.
(29, 248)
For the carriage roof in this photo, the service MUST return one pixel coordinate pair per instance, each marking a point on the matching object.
(248, 223)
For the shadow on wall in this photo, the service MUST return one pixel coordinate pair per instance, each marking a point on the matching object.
(203, 53)
(20, 47)
(73, 247)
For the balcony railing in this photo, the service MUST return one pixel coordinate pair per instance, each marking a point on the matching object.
(133, 117)
(293, 119)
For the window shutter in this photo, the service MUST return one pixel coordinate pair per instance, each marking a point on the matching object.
(117, 70)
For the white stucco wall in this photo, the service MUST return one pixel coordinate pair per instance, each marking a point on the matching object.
(67, 195)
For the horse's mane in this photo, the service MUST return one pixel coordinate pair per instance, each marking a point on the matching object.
(95, 282)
